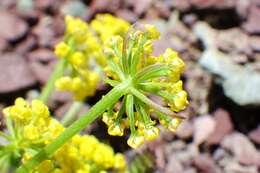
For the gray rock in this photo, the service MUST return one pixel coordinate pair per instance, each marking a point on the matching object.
(241, 84)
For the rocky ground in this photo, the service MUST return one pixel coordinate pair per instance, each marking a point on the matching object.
(219, 41)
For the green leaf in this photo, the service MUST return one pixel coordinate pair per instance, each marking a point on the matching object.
(115, 68)
(149, 87)
(136, 57)
(111, 82)
(152, 71)
(130, 111)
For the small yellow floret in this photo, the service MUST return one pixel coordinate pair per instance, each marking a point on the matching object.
(61, 50)
(151, 29)
(135, 141)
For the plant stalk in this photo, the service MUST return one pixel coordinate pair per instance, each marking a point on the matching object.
(108, 100)
(57, 73)
(70, 116)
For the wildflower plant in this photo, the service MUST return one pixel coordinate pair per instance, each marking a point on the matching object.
(134, 74)
(83, 52)
(132, 60)
(31, 127)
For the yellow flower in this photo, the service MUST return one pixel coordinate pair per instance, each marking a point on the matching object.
(120, 162)
(115, 130)
(150, 133)
(78, 60)
(61, 50)
(151, 29)
(135, 141)
(31, 132)
(107, 25)
(150, 75)
(174, 124)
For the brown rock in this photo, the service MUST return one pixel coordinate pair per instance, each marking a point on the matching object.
(242, 7)
(47, 4)
(127, 15)
(203, 128)
(255, 135)
(163, 8)
(254, 42)
(174, 165)
(252, 24)
(223, 126)
(242, 148)
(185, 130)
(101, 5)
(42, 62)
(3, 44)
(182, 5)
(27, 45)
(213, 3)
(140, 6)
(15, 73)
(12, 28)
(205, 164)
(44, 32)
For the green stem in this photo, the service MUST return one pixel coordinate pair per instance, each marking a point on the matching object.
(152, 104)
(58, 72)
(70, 116)
(109, 99)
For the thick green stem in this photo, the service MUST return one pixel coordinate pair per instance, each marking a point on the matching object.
(70, 116)
(57, 73)
(109, 99)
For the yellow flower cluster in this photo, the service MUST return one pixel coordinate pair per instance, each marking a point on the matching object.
(82, 49)
(35, 128)
(107, 26)
(149, 75)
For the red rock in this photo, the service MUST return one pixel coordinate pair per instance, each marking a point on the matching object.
(252, 24)
(174, 165)
(42, 63)
(203, 128)
(12, 28)
(254, 42)
(255, 135)
(27, 45)
(163, 8)
(14, 74)
(242, 7)
(223, 126)
(140, 6)
(3, 44)
(101, 5)
(242, 148)
(202, 4)
(185, 130)
(47, 4)
(205, 164)
(182, 5)
(44, 32)
(127, 15)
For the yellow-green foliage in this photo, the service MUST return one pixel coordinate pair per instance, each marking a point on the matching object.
(33, 128)
(82, 47)
(132, 59)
